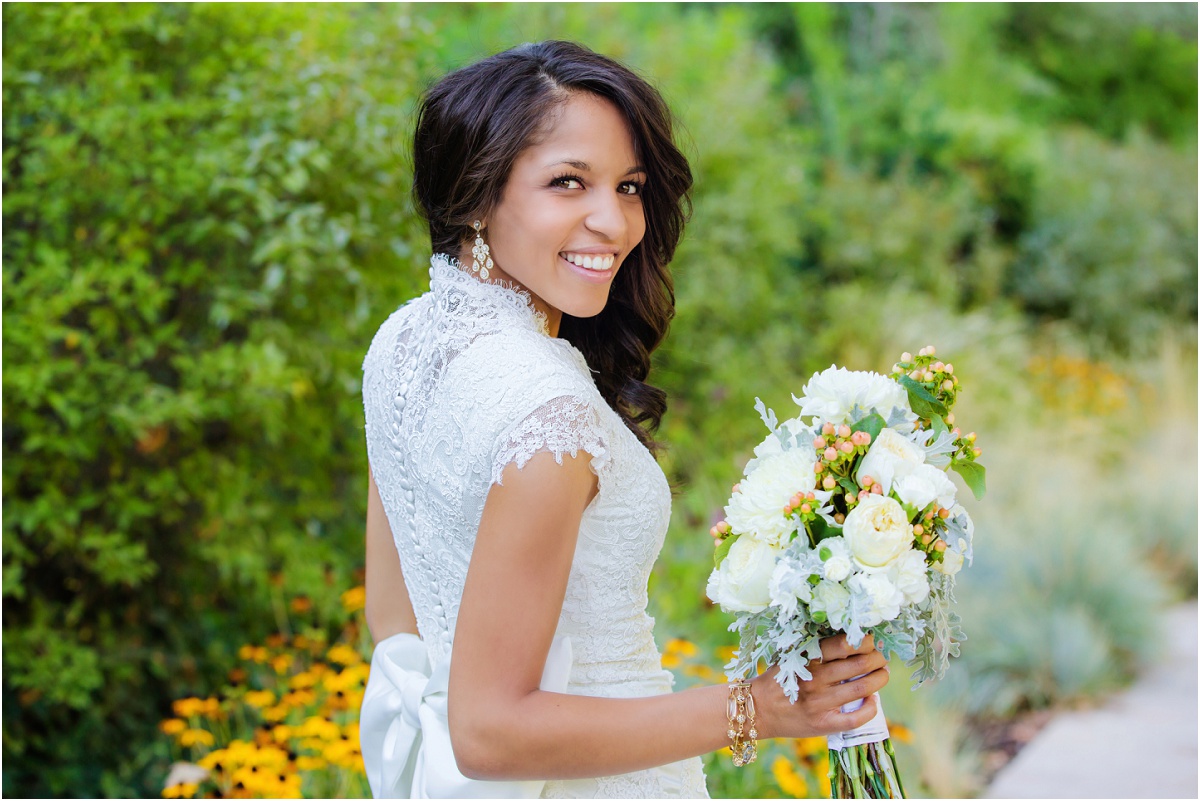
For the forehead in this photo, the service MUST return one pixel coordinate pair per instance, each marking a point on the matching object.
(586, 128)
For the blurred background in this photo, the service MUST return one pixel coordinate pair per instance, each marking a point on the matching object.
(207, 215)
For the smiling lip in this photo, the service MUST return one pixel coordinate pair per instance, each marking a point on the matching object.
(591, 259)
(598, 276)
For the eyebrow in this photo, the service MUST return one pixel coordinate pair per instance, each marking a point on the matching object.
(583, 166)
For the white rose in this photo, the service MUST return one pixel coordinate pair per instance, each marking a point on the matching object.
(890, 456)
(875, 599)
(756, 510)
(834, 600)
(835, 554)
(907, 572)
(830, 396)
(741, 583)
(877, 531)
(924, 485)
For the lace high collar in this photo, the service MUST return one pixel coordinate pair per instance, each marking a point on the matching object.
(459, 293)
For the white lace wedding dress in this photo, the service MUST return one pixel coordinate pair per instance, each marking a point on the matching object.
(464, 380)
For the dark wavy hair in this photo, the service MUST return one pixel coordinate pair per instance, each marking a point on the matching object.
(471, 127)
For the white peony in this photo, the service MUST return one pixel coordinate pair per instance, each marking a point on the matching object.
(771, 447)
(835, 554)
(890, 456)
(833, 600)
(875, 599)
(877, 531)
(908, 573)
(741, 583)
(924, 485)
(830, 396)
(756, 510)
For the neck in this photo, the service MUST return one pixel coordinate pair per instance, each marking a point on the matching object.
(497, 275)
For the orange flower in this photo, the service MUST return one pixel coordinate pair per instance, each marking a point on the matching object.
(788, 779)
(354, 599)
(172, 726)
(300, 604)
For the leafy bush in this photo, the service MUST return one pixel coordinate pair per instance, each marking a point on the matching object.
(203, 211)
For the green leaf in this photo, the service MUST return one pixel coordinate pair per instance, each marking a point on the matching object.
(847, 483)
(974, 474)
(819, 529)
(923, 403)
(722, 550)
(872, 424)
(939, 425)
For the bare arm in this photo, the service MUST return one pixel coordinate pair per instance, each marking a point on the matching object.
(503, 727)
(389, 610)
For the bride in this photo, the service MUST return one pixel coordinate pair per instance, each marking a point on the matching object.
(515, 506)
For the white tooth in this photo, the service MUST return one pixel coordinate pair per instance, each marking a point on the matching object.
(608, 262)
(587, 262)
(578, 260)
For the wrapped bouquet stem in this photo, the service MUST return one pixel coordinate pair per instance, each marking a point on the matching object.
(847, 522)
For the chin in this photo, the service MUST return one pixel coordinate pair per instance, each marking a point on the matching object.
(585, 307)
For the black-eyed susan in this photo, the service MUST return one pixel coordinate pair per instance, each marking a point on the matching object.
(788, 779)
(181, 790)
(189, 738)
(259, 698)
(343, 655)
(354, 599)
(172, 726)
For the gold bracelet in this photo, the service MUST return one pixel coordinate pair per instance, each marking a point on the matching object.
(741, 717)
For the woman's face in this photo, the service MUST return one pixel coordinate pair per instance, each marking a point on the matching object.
(571, 210)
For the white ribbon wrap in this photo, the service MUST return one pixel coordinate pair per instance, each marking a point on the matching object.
(403, 727)
(874, 730)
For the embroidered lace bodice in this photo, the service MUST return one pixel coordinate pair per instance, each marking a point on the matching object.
(459, 383)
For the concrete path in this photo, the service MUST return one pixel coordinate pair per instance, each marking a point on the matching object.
(1141, 744)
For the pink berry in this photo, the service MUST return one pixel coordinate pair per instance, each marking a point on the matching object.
(828, 482)
(844, 431)
(828, 429)
(830, 454)
(819, 443)
(805, 508)
(846, 446)
(867, 481)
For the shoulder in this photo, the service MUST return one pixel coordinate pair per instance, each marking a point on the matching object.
(520, 367)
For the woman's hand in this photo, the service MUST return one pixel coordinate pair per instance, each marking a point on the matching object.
(817, 711)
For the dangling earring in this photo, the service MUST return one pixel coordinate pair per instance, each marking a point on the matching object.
(481, 259)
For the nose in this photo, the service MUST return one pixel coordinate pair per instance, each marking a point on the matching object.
(607, 216)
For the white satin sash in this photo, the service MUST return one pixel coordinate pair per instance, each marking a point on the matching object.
(403, 727)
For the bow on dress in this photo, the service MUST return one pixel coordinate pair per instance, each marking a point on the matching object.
(403, 726)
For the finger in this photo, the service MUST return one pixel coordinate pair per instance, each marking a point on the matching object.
(838, 647)
(842, 694)
(845, 721)
(840, 670)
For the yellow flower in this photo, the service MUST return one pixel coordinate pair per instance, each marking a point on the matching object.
(309, 762)
(343, 655)
(281, 662)
(187, 707)
(811, 747)
(682, 647)
(275, 714)
(727, 652)
(281, 734)
(188, 790)
(302, 680)
(260, 698)
(788, 779)
(318, 727)
(213, 760)
(704, 672)
(190, 737)
(298, 698)
(354, 599)
(671, 660)
(211, 707)
(900, 732)
(300, 641)
(172, 726)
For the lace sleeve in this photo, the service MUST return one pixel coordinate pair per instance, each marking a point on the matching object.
(566, 424)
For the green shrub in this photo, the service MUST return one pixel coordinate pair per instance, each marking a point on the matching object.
(203, 214)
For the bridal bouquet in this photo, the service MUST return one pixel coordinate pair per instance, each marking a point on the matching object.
(846, 521)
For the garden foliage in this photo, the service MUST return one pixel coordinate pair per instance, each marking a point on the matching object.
(207, 215)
